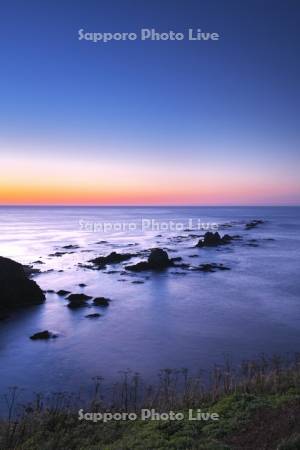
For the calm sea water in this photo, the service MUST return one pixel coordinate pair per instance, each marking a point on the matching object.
(170, 320)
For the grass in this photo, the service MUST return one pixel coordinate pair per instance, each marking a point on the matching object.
(258, 406)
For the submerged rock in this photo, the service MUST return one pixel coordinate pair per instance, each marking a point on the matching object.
(157, 260)
(16, 289)
(43, 335)
(101, 301)
(112, 258)
(93, 316)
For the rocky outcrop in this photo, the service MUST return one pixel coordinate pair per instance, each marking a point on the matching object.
(101, 301)
(157, 260)
(62, 292)
(43, 335)
(112, 258)
(210, 267)
(16, 289)
(254, 224)
(78, 300)
(214, 239)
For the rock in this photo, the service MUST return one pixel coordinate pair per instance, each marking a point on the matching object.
(138, 282)
(38, 262)
(254, 223)
(59, 254)
(82, 285)
(177, 259)
(62, 292)
(112, 258)
(157, 260)
(43, 335)
(101, 301)
(139, 267)
(50, 291)
(210, 267)
(93, 316)
(16, 289)
(30, 270)
(78, 297)
(183, 266)
(214, 239)
(78, 300)
(71, 247)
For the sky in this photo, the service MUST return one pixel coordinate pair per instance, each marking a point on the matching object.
(150, 122)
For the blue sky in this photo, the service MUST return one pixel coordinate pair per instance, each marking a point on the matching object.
(232, 105)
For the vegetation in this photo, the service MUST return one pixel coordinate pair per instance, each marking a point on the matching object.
(258, 407)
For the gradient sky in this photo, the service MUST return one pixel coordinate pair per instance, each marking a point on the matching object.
(149, 122)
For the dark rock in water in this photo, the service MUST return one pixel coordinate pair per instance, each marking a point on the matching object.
(253, 224)
(157, 260)
(138, 282)
(62, 292)
(139, 267)
(78, 297)
(214, 239)
(16, 289)
(183, 266)
(30, 270)
(78, 300)
(101, 301)
(59, 254)
(43, 335)
(193, 256)
(71, 247)
(177, 259)
(93, 316)
(38, 262)
(82, 285)
(210, 267)
(50, 291)
(112, 258)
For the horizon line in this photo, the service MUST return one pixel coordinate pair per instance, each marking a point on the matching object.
(3, 205)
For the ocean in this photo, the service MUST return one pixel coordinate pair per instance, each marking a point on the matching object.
(177, 318)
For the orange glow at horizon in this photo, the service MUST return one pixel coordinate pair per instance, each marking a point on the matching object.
(61, 181)
(20, 194)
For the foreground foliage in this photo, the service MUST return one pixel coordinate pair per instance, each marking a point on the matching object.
(259, 408)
